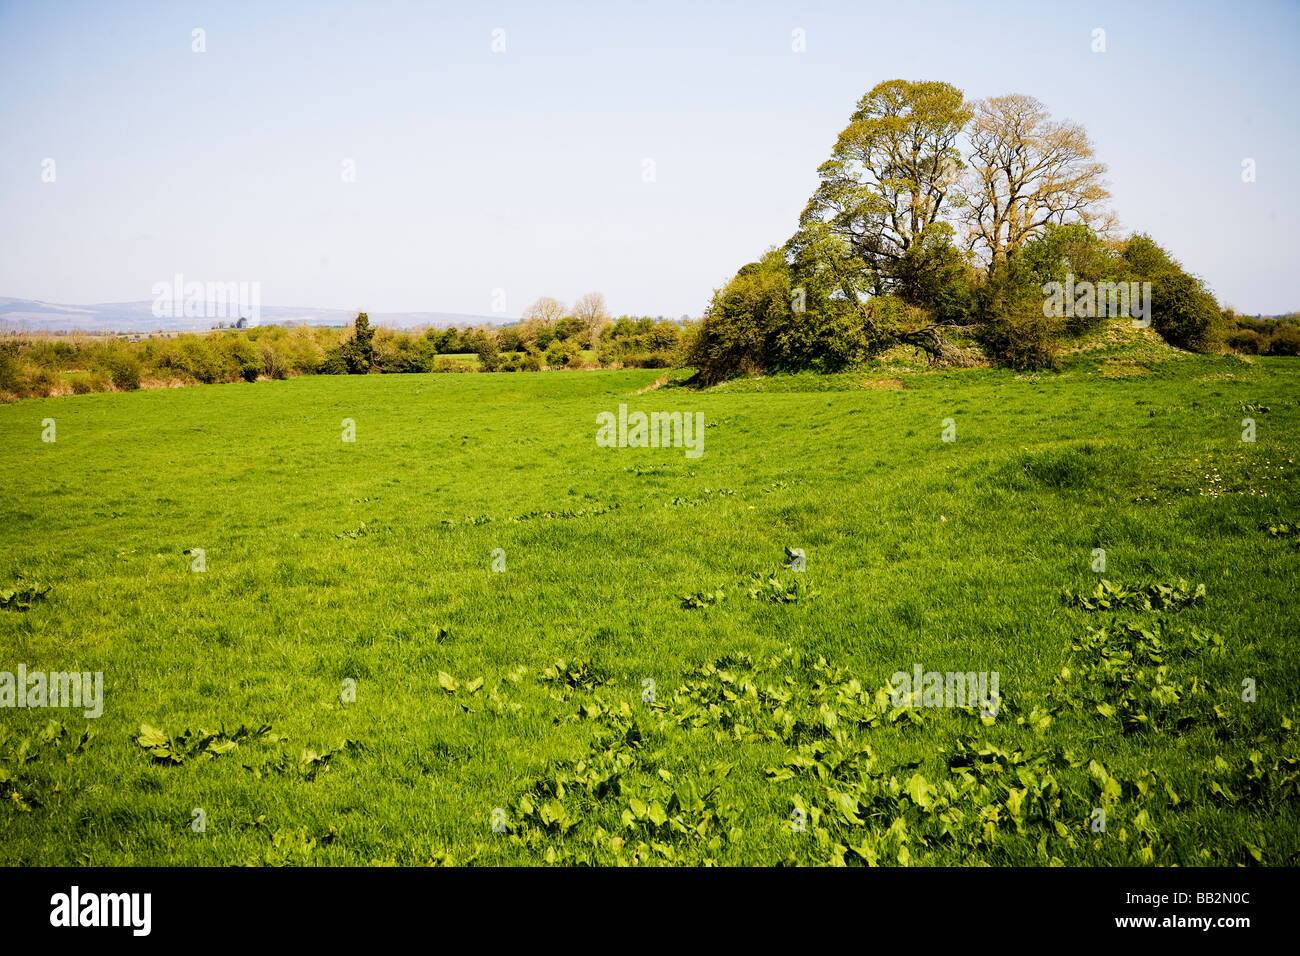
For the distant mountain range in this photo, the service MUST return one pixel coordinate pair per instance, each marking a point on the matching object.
(30, 315)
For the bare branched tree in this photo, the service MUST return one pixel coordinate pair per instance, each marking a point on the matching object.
(1026, 171)
(591, 312)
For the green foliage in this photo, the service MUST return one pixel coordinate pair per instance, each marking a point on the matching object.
(563, 352)
(10, 368)
(122, 368)
(932, 274)
(194, 357)
(1149, 597)
(23, 595)
(775, 591)
(358, 352)
(1021, 338)
(167, 749)
(702, 599)
(1183, 312)
(752, 325)
(573, 676)
(640, 343)
(23, 785)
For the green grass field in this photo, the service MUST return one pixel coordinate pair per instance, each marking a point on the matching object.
(330, 562)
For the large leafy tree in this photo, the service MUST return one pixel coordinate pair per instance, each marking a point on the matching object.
(887, 183)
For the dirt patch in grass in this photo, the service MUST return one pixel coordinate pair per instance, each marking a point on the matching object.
(1123, 368)
(885, 384)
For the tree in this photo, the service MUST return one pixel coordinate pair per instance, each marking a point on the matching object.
(1026, 172)
(510, 339)
(934, 275)
(545, 310)
(359, 352)
(888, 180)
(484, 344)
(537, 325)
(591, 313)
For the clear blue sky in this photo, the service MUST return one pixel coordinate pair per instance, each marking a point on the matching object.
(523, 170)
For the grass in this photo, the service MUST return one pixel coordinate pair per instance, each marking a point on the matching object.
(372, 562)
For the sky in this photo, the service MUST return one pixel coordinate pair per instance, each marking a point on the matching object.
(642, 150)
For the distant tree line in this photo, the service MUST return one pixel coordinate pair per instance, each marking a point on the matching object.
(549, 336)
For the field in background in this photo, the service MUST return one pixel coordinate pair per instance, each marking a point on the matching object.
(762, 737)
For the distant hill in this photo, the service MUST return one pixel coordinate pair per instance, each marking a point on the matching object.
(31, 315)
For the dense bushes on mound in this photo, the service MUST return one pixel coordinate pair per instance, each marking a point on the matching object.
(981, 219)
(789, 311)
(1183, 311)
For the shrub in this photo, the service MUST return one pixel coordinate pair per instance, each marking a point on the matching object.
(9, 369)
(1021, 337)
(1182, 311)
(123, 369)
(1246, 340)
(484, 345)
(445, 364)
(194, 356)
(333, 363)
(563, 352)
(358, 352)
(272, 362)
(304, 353)
(1285, 341)
(39, 382)
(742, 321)
(249, 371)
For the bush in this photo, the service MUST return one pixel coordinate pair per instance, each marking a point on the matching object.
(358, 352)
(933, 275)
(563, 352)
(123, 369)
(249, 371)
(484, 345)
(272, 362)
(333, 363)
(194, 356)
(1285, 341)
(1021, 337)
(40, 382)
(445, 364)
(305, 353)
(1182, 311)
(1247, 341)
(9, 369)
(741, 324)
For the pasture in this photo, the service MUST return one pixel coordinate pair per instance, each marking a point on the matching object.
(472, 636)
